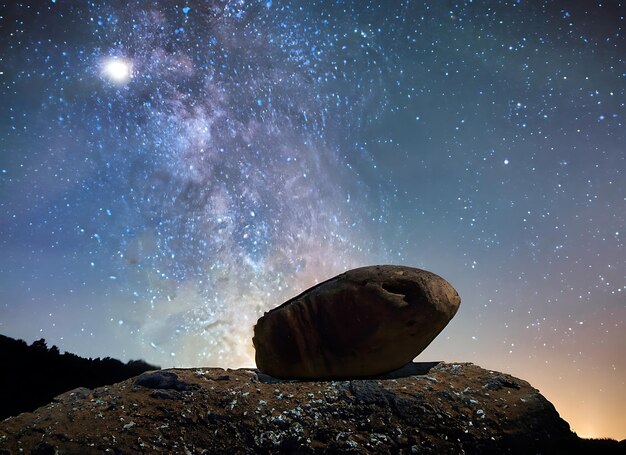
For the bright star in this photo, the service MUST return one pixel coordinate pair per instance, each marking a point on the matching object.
(117, 70)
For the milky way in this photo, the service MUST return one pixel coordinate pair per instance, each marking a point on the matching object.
(168, 172)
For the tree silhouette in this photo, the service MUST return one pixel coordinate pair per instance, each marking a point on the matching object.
(33, 375)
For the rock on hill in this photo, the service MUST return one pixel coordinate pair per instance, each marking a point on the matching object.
(429, 408)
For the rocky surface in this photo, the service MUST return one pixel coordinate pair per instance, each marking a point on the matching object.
(426, 408)
(364, 322)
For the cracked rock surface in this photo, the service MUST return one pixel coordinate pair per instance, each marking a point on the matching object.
(429, 408)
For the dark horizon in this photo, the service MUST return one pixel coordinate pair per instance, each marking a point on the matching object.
(35, 374)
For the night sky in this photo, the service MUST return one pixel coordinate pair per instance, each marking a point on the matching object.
(169, 171)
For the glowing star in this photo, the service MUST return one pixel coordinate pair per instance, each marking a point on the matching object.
(117, 70)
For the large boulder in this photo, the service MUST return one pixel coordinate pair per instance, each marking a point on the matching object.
(365, 322)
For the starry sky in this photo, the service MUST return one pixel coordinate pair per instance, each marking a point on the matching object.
(171, 170)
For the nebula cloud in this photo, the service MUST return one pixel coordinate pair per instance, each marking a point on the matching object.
(233, 195)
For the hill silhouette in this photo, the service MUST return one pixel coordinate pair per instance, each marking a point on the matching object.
(40, 373)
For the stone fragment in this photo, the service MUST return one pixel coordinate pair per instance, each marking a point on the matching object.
(160, 380)
(365, 322)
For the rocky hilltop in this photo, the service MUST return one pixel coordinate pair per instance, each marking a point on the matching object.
(358, 326)
(424, 408)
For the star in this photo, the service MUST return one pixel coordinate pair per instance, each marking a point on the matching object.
(117, 70)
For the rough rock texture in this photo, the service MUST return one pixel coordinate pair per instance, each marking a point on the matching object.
(364, 322)
(427, 408)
